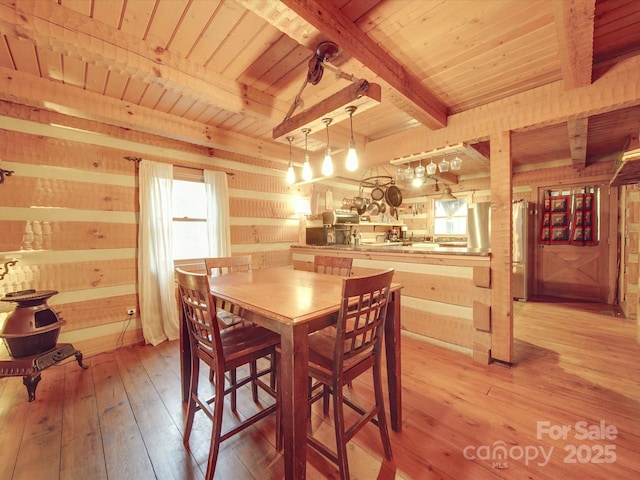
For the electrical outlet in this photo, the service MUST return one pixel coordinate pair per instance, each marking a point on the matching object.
(131, 311)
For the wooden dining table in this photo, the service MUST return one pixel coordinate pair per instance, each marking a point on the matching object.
(295, 303)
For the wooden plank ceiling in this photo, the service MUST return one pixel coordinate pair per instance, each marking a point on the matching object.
(224, 73)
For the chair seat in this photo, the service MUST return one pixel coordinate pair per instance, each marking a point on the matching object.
(229, 319)
(322, 351)
(246, 342)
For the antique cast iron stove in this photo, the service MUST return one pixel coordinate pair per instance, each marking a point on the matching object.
(30, 334)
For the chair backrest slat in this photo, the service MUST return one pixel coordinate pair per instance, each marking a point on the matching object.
(333, 265)
(222, 265)
(198, 308)
(362, 314)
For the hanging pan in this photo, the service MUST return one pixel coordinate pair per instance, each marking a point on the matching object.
(377, 194)
(393, 196)
(373, 208)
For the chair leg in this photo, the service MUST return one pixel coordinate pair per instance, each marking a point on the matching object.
(325, 399)
(214, 448)
(382, 416)
(253, 371)
(234, 380)
(277, 383)
(191, 403)
(274, 369)
(341, 444)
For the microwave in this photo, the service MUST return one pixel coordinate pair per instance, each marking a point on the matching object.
(328, 235)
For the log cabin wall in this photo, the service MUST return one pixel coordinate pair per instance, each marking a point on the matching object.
(629, 232)
(70, 213)
(69, 216)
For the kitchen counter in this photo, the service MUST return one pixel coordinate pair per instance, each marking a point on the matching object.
(446, 293)
(398, 247)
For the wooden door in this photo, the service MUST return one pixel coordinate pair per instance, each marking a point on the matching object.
(579, 272)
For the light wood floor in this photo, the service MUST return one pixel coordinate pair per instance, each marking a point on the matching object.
(576, 365)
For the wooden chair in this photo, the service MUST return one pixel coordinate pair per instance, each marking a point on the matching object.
(332, 265)
(228, 313)
(355, 349)
(222, 350)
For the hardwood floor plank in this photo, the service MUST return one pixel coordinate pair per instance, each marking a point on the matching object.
(39, 453)
(14, 410)
(124, 449)
(82, 455)
(123, 418)
(161, 436)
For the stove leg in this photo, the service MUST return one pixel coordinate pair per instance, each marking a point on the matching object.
(79, 359)
(31, 382)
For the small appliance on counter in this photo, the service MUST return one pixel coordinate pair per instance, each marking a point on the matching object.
(335, 230)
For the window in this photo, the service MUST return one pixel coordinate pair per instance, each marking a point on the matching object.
(189, 219)
(450, 217)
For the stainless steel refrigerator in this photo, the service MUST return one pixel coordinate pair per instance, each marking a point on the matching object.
(479, 237)
(519, 242)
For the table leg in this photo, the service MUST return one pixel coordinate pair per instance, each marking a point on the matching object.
(293, 390)
(394, 365)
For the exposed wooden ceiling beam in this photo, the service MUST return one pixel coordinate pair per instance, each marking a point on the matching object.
(578, 129)
(546, 105)
(362, 95)
(55, 96)
(617, 88)
(574, 27)
(60, 30)
(407, 92)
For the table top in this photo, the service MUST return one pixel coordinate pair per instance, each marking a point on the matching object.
(281, 293)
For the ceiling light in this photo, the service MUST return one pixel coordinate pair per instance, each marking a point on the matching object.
(447, 195)
(443, 166)
(417, 181)
(352, 156)
(291, 175)
(307, 174)
(327, 164)
(456, 163)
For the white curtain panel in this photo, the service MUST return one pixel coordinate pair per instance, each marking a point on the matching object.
(218, 223)
(156, 289)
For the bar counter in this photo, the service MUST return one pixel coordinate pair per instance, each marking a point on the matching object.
(446, 297)
(399, 247)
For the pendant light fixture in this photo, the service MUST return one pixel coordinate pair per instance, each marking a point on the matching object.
(291, 175)
(307, 174)
(327, 164)
(447, 195)
(352, 156)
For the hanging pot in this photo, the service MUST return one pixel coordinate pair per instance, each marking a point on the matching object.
(393, 196)
(373, 208)
(382, 207)
(377, 194)
(362, 209)
(360, 202)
